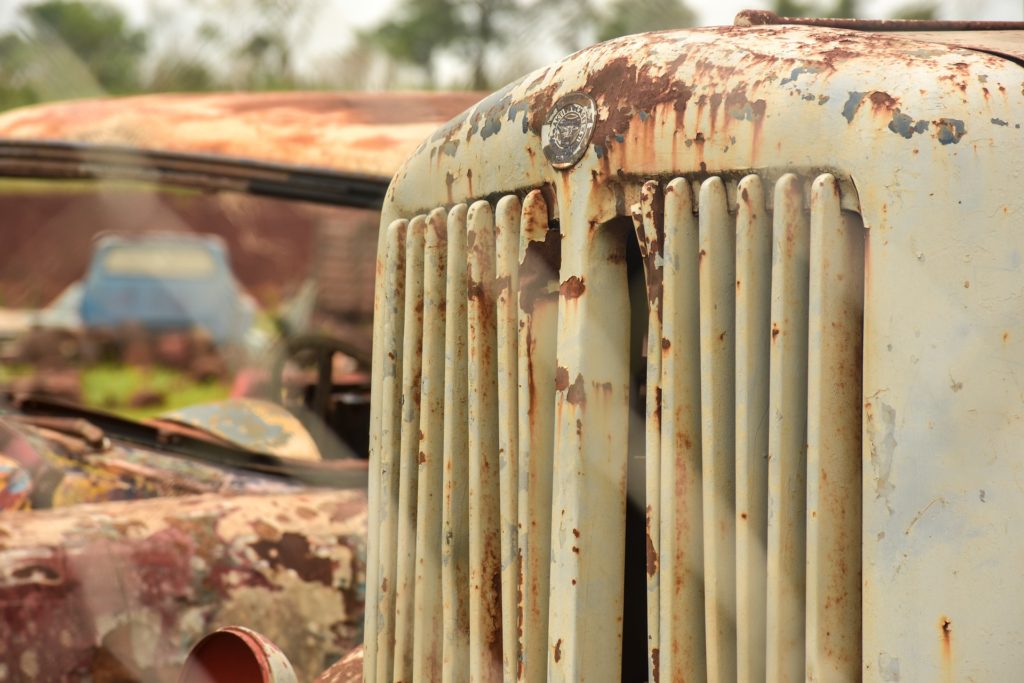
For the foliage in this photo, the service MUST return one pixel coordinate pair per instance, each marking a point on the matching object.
(418, 32)
(14, 59)
(636, 16)
(921, 11)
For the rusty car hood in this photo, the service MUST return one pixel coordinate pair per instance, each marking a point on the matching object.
(125, 587)
(367, 133)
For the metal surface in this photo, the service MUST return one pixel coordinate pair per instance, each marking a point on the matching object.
(458, 584)
(506, 285)
(539, 252)
(349, 669)
(428, 643)
(251, 424)
(753, 341)
(485, 535)
(758, 17)
(353, 132)
(409, 464)
(119, 591)
(922, 139)
(648, 219)
(681, 553)
(384, 527)
(716, 278)
(835, 322)
(787, 458)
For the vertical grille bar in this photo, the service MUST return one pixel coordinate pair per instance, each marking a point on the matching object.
(717, 367)
(484, 503)
(382, 631)
(834, 437)
(405, 561)
(589, 480)
(787, 417)
(455, 523)
(753, 340)
(499, 481)
(508, 213)
(427, 645)
(648, 222)
(540, 258)
(682, 642)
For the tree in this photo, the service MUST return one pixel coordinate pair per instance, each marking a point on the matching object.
(181, 73)
(257, 38)
(15, 89)
(916, 11)
(637, 16)
(420, 30)
(476, 31)
(97, 34)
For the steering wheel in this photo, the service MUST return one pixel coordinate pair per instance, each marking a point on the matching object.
(323, 348)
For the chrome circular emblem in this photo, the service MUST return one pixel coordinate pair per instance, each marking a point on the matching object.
(567, 131)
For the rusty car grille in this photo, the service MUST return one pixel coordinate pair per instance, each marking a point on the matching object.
(491, 490)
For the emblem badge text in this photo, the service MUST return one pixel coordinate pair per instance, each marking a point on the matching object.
(568, 129)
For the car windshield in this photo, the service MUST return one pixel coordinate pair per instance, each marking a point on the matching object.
(150, 301)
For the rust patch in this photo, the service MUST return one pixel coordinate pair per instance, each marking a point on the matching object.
(882, 101)
(561, 379)
(577, 395)
(572, 288)
(625, 89)
(655, 657)
(293, 552)
(652, 555)
(558, 650)
(475, 291)
(946, 638)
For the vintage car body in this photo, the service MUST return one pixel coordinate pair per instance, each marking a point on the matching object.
(362, 133)
(137, 280)
(213, 515)
(824, 227)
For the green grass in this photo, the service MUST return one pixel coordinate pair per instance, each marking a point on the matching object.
(9, 372)
(50, 185)
(111, 387)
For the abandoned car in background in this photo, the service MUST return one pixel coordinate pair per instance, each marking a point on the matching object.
(695, 358)
(185, 374)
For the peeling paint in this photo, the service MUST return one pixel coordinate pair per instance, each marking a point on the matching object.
(904, 125)
(949, 131)
(882, 430)
(852, 103)
(798, 72)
